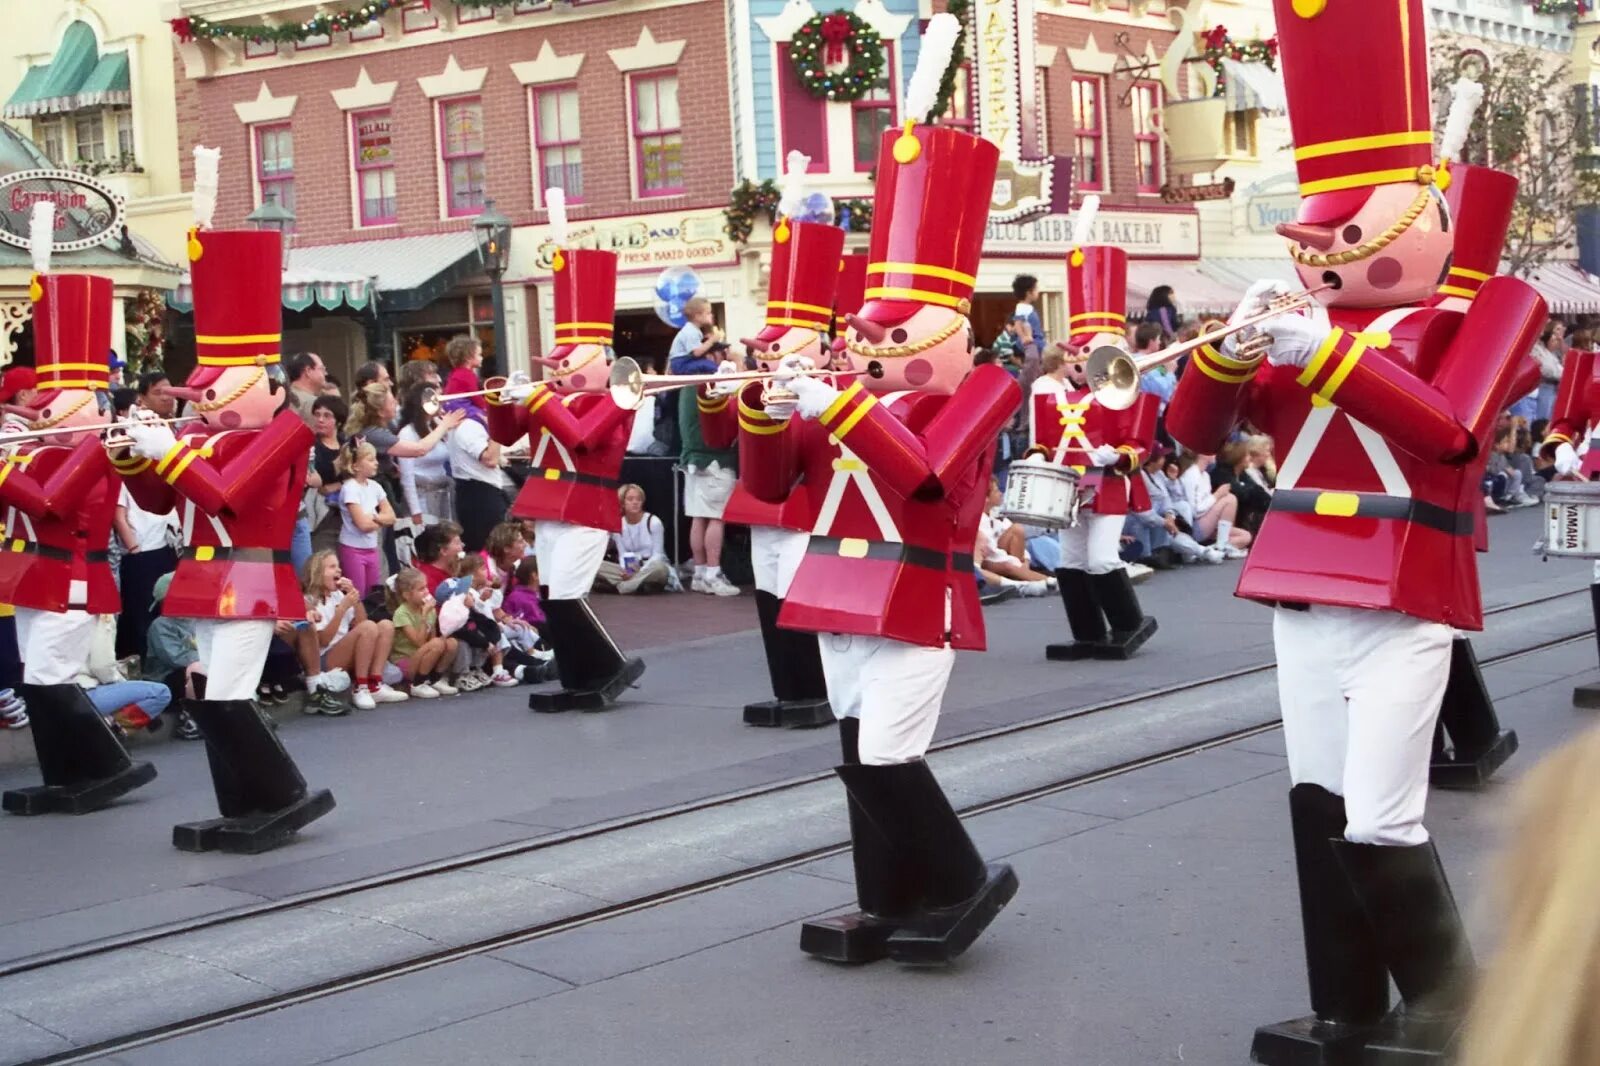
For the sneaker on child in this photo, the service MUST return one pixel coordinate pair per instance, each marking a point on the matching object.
(501, 679)
(717, 585)
(362, 698)
(443, 687)
(384, 694)
(424, 691)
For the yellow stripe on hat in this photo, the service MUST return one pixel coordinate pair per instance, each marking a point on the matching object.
(74, 384)
(1363, 144)
(790, 305)
(238, 338)
(1456, 290)
(939, 298)
(1098, 314)
(803, 323)
(1359, 181)
(56, 368)
(1475, 275)
(583, 340)
(943, 273)
(262, 359)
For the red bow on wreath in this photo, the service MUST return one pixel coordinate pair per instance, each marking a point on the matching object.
(835, 31)
(1216, 37)
(183, 30)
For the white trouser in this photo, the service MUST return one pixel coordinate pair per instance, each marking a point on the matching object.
(1360, 692)
(569, 557)
(894, 688)
(54, 645)
(1093, 543)
(775, 555)
(232, 655)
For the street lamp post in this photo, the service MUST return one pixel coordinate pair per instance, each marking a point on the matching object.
(272, 215)
(493, 232)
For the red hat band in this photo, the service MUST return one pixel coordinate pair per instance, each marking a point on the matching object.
(586, 296)
(72, 332)
(851, 290)
(1480, 200)
(1360, 107)
(929, 216)
(805, 274)
(237, 276)
(1097, 291)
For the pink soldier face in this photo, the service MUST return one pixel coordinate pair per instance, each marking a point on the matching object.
(241, 397)
(582, 369)
(930, 352)
(1383, 270)
(794, 340)
(67, 409)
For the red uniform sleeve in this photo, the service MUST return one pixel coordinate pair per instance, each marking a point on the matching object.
(546, 411)
(922, 465)
(146, 486)
(1132, 432)
(1570, 415)
(1211, 399)
(719, 422)
(508, 422)
(770, 456)
(64, 489)
(284, 443)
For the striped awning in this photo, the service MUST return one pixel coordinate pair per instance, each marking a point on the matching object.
(1566, 288)
(1252, 87)
(1196, 293)
(78, 77)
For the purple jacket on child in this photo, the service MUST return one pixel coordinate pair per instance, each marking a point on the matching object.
(523, 602)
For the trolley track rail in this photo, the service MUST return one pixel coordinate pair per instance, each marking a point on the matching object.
(646, 901)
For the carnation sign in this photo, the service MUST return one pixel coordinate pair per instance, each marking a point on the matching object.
(87, 211)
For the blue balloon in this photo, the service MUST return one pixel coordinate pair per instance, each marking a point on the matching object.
(816, 207)
(670, 312)
(677, 283)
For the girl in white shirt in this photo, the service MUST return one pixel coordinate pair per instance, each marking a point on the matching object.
(347, 638)
(364, 512)
(1213, 510)
(641, 548)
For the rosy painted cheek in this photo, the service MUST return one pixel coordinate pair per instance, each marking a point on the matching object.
(918, 373)
(577, 381)
(230, 419)
(1385, 272)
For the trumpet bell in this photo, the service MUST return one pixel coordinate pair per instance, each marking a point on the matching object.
(431, 404)
(626, 384)
(1113, 377)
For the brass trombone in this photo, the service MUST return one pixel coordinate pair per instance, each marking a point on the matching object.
(1113, 375)
(112, 440)
(433, 400)
(629, 386)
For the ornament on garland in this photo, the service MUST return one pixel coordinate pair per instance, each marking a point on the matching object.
(321, 24)
(828, 40)
(947, 84)
(1219, 46)
(1561, 7)
(751, 199)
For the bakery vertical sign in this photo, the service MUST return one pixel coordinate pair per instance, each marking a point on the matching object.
(1008, 112)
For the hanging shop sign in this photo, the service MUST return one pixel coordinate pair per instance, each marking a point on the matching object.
(644, 242)
(1142, 234)
(87, 211)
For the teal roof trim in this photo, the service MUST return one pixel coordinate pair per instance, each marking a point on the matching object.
(78, 77)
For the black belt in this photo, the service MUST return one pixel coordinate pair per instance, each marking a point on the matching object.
(858, 548)
(206, 553)
(1374, 505)
(61, 555)
(553, 474)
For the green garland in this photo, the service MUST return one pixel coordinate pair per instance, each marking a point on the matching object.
(319, 25)
(810, 45)
(1561, 7)
(751, 199)
(1218, 45)
(947, 84)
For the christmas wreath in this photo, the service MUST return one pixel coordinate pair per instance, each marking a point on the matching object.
(751, 199)
(1219, 46)
(1561, 7)
(828, 40)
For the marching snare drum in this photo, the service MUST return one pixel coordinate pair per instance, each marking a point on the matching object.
(1572, 519)
(1041, 494)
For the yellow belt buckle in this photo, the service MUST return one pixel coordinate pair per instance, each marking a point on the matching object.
(849, 466)
(552, 474)
(1337, 504)
(205, 553)
(853, 548)
(19, 545)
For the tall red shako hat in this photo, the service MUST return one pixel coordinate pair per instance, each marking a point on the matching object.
(1097, 282)
(851, 291)
(586, 298)
(71, 333)
(237, 276)
(1356, 74)
(804, 277)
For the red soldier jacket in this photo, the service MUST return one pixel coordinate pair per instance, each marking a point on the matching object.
(896, 509)
(1576, 410)
(1382, 440)
(63, 501)
(729, 420)
(1086, 425)
(238, 493)
(581, 440)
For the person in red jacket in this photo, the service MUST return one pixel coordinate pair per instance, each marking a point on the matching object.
(1382, 409)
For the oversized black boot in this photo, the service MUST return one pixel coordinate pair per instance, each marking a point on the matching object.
(84, 765)
(1348, 979)
(1130, 627)
(1469, 745)
(885, 882)
(1084, 618)
(794, 664)
(958, 893)
(1419, 934)
(260, 791)
(592, 668)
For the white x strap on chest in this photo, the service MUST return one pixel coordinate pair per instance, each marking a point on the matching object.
(207, 447)
(547, 440)
(848, 469)
(1074, 416)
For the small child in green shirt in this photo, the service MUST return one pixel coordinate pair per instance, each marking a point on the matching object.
(418, 648)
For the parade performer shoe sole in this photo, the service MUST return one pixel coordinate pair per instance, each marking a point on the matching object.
(256, 833)
(851, 939)
(597, 699)
(1071, 652)
(934, 938)
(789, 714)
(80, 798)
(1119, 646)
(1475, 771)
(1309, 1041)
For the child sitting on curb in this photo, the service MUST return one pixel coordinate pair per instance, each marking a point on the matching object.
(419, 650)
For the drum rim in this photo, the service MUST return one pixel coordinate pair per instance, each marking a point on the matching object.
(1573, 491)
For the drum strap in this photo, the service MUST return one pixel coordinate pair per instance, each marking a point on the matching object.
(1373, 505)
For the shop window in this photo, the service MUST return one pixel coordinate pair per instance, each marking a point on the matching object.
(89, 130)
(1089, 132)
(527, 7)
(1147, 136)
(53, 139)
(416, 17)
(556, 138)
(257, 49)
(321, 40)
(475, 13)
(461, 141)
(124, 118)
(1239, 132)
(372, 31)
(275, 164)
(657, 135)
(959, 114)
(873, 113)
(374, 166)
(804, 117)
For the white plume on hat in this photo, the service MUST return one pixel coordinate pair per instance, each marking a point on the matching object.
(207, 162)
(1465, 97)
(791, 200)
(42, 235)
(938, 47)
(555, 201)
(1083, 224)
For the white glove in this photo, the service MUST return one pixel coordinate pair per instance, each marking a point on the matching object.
(792, 367)
(151, 442)
(1567, 461)
(1103, 455)
(814, 395)
(781, 411)
(516, 392)
(1256, 299)
(1294, 338)
(724, 388)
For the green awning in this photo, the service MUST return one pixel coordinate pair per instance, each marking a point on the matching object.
(78, 77)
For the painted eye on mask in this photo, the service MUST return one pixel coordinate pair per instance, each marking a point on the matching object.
(899, 336)
(1351, 235)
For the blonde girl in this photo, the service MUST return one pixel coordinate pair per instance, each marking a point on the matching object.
(364, 512)
(418, 648)
(346, 638)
